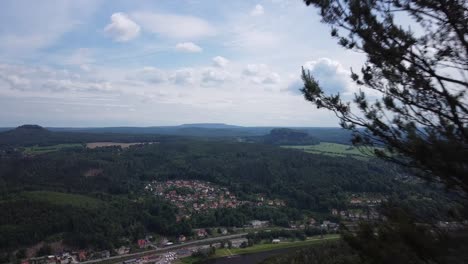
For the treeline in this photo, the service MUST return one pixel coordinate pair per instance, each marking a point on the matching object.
(241, 216)
(103, 226)
(31, 135)
(285, 136)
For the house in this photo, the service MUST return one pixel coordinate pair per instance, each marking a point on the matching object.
(142, 243)
(81, 255)
(236, 243)
(334, 211)
(223, 231)
(102, 254)
(312, 221)
(329, 225)
(123, 250)
(163, 241)
(182, 238)
(201, 233)
(258, 223)
(275, 241)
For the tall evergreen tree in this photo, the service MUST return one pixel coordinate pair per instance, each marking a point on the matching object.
(420, 72)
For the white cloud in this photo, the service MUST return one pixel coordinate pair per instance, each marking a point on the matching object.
(81, 57)
(330, 74)
(261, 74)
(183, 76)
(149, 74)
(122, 28)
(272, 78)
(220, 62)
(32, 80)
(254, 69)
(15, 82)
(188, 47)
(174, 26)
(258, 10)
(214, 76)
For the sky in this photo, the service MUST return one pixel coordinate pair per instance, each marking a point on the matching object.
(98, 63)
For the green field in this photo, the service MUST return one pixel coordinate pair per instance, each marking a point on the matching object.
(46, 149)
(67, 199)
(264, 247)
(334, 149)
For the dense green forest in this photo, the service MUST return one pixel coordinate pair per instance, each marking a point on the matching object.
(53, 196)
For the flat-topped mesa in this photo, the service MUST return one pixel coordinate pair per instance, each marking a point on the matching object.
(30, 127)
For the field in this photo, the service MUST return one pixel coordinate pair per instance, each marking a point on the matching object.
(67, 199)
(264, 247)
(46, 149)
(334, 149)
(112, 144)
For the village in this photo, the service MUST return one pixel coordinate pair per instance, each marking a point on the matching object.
(192, 196)
(360, 207)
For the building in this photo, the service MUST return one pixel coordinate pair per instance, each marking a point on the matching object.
(142, 243)
(236, 243)
(201, 233)
(258, 223)
(123, 250)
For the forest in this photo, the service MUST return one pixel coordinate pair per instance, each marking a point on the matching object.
(53, 196)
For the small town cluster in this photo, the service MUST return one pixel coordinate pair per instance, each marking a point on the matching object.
(192, 196)
(165, 256)
(361, 207)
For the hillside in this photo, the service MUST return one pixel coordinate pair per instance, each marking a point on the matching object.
(285, 136)
(32, 135)
(323, 134)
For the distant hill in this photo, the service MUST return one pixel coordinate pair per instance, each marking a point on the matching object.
(210, 125)
(286, 136)
(24, 134)
(31, 135)
(209, 130)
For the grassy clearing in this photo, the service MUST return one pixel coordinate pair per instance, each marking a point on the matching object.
(267, 247)
(263, 247)
(94, 145)
(67, 199)
(46, 149)
(333, 149)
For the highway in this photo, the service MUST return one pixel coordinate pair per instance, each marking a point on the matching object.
(165, 249)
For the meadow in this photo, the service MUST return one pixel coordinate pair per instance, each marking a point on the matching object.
(65, 199)
(335, 150)
(34, 150)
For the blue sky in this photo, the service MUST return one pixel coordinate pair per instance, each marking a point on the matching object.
(166, 62)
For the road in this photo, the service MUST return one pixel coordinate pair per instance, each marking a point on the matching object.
(165, 249)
